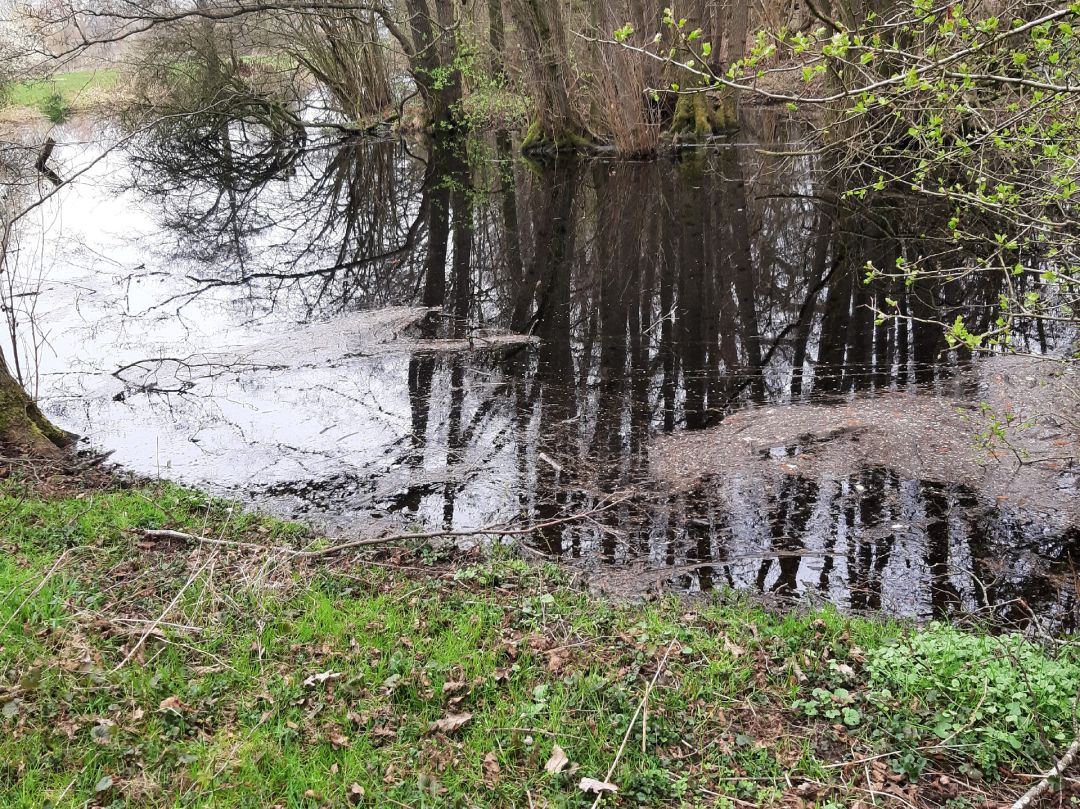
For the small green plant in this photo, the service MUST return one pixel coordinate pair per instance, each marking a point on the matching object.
(1003, 698)
(837, 705)
(55, 108)
(995, 431)
(654, 787)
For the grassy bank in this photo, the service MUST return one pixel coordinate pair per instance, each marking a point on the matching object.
(163, 672)
(56, 96)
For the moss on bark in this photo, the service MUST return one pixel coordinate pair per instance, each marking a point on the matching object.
(538, 141)
(698, 116)
(24, 429)
(726, 114)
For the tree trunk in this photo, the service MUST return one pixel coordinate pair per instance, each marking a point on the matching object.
(497, 38)
(700, 115)
(557, 125)
(431, 57)
(24, 430)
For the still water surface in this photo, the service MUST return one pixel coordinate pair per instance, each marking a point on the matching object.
(258, 321)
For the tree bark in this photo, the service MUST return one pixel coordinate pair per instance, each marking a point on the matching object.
(431, 60)
(557, 125)
(24, 429)
(497, 37)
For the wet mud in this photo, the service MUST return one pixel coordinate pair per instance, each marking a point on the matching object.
(1016, 440)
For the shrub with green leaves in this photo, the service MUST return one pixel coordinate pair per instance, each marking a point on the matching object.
(55, 107)
(1002, 698)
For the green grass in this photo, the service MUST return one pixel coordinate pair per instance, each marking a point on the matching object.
(61, 91)
(304, 685)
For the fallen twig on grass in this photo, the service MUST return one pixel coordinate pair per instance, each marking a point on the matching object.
(633, 720)
(153, 533)
(180, 536)
(164, 614)
(920, 749)
(41, 584)
(1038, 789)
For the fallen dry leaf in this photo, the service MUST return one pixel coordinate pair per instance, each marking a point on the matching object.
(101, 733)
(846, 670)
(451, 722)
(733, 648)
(599, 787)
(171, 704)
(558, 761)
(321, 677)
(491, 768)
(356, 793)
(338, 739)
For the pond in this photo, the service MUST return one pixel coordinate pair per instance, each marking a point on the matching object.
(369, 338)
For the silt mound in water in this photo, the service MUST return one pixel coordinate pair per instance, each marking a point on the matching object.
(1017, 440)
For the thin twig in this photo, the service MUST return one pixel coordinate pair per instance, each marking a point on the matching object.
(1063, 764)
(633, 720)
(41, 584)
(164, 614)
(362, 543)
(152, 533)
(879, 756)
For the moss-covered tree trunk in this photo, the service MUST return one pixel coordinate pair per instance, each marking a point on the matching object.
(432, 60)
(24, 430)
(701, 115)
(558, 124)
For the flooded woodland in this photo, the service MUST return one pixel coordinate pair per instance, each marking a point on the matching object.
(368, 336)
(532, 403)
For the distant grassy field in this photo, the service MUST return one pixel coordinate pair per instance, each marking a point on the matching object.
(59, 93)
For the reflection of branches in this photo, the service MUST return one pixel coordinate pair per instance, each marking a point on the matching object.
(361, 207)
(19, 289)
(153, 369)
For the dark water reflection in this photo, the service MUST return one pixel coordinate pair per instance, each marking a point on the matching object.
(665, 297)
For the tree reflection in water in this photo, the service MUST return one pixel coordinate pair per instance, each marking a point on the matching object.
(665, 296)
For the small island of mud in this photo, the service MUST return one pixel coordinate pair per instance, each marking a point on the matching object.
(1015, 440)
